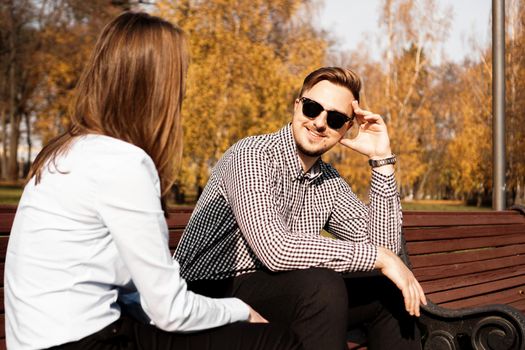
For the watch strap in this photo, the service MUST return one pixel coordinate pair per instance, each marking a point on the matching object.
(374, 163)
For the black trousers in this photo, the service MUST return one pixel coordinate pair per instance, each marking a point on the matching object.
(320, 305)
(129, 334)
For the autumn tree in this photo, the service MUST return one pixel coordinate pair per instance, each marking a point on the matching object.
(468, 165)
(43, 47)
(19, 41)
(402, 88)
(68, 33)
(469, 155)
(248, 60)
(515, 100)
(414, 33)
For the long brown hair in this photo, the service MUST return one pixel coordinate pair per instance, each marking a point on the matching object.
(131, 89)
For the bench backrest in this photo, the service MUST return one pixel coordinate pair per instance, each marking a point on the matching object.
(465, 259)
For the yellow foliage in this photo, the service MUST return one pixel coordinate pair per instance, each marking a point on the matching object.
(248, 60)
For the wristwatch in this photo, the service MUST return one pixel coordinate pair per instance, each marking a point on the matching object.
(374, 163)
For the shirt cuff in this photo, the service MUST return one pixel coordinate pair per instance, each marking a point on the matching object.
(365, 256)
(383, 185)
(239, 310)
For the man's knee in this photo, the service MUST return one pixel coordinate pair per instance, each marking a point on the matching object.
(323, 287)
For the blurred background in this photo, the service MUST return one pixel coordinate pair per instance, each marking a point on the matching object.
(426, 67)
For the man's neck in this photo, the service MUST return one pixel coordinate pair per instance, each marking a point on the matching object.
(307, 162)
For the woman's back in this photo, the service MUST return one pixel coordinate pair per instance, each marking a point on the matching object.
(62, 264)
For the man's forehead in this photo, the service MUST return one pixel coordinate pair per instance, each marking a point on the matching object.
(330, 95)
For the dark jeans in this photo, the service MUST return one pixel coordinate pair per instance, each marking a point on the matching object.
(128, 334)
(320, 305)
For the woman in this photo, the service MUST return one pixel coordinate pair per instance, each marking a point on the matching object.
(90, 224)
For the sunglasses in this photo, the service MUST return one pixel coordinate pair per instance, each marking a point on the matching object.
(334, 119)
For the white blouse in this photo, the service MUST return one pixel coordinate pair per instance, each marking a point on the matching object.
(93, 227)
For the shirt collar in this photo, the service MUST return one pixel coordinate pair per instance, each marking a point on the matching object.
(291, 158)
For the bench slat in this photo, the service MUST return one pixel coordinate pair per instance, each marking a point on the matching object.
(478, 289)
(455, 232)
(6, 221)
(3, 247)
(432, 218)
(433, 272)
(473, 279)
(520, 305)
(438, 259)
(451, 245)
(498, 297)
(178, 221)
(2, 324)
(175, 237)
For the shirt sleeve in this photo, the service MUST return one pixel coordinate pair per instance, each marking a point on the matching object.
(128, 202)
(378, 223)
(250, 190)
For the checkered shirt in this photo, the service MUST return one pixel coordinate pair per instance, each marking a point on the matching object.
(260, 210)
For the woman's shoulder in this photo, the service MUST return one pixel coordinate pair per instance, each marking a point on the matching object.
(108, 153)
(107, 144)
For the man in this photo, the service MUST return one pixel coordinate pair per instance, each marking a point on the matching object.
(255, 233)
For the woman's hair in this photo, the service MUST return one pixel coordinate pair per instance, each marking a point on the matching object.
(131, 89)
(339, 76)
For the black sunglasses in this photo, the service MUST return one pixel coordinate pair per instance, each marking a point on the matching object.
(334, 119)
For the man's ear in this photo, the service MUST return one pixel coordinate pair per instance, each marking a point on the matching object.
(346, 130)
(296, 105)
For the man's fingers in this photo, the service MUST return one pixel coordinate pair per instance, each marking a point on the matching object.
(410, 298)
(359, 110)
(413, 297)
(411, 291)
(366, 115)
(422, 295)
(415, 305)
(406, 297)
(369, 121)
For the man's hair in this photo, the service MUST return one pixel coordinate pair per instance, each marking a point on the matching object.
(131, 89)
(339, 76)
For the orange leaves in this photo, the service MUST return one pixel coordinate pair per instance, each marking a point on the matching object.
(248, 62)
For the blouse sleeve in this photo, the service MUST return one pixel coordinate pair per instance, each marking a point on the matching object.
(128, 203)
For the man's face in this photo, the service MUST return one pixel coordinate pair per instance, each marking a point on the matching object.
(312, 136)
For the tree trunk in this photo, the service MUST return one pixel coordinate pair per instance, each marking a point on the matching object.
(3, 160)
(27, 163)
(12, 161)
(14, 118)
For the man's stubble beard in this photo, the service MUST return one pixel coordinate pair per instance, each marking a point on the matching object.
(310, 153)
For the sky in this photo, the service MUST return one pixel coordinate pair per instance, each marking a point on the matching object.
(349, 20)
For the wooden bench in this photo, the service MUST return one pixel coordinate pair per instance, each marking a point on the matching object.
(471, 266)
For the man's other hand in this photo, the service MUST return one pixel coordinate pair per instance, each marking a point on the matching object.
(393, 268)
(372, 139)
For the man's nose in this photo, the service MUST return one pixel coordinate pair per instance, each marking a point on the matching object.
(320, 121)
